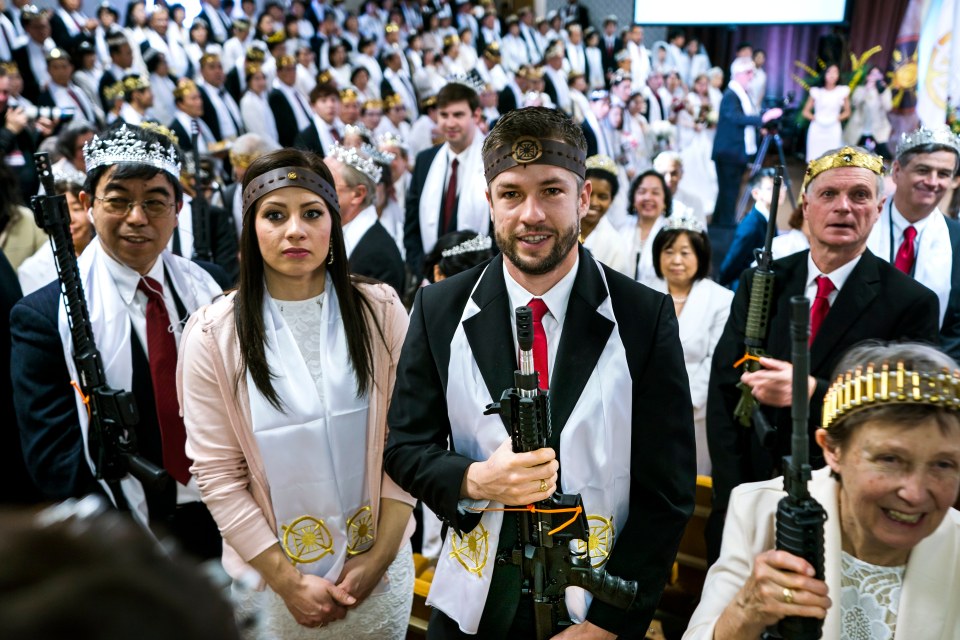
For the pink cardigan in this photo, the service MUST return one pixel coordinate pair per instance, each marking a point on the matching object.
(227, 462)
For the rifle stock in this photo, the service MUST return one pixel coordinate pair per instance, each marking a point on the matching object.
(548, 565)
(113, 412)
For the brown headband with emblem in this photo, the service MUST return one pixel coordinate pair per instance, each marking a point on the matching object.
(529, 150)
(290, 177)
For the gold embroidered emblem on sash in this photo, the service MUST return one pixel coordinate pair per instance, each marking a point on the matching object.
(600, 540)
(306, 540)
(471, 550)
(360, 531)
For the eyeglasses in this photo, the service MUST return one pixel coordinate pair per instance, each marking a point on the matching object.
(123, 206)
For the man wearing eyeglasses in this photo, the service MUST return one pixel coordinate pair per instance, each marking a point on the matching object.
(138, 296)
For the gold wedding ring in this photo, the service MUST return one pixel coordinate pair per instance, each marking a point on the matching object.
(543, 485)
(788, 595)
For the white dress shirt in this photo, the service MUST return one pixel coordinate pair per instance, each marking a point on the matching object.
(838, 277)
(354, 230)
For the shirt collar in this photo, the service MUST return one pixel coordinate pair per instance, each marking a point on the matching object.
(126, 279)
(556, 298)
(354, 230)
(900, 223)
(838, 276)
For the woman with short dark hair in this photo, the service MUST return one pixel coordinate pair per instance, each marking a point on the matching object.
(650, 201)
(284, 387)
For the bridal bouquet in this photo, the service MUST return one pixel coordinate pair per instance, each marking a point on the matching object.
(664, 133)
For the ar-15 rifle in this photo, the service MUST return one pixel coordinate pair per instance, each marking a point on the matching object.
(548, 565)
(199, 208)
(747, 410)
(800, 517)
(113, 412)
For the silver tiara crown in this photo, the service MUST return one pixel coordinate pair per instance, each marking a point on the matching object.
(383, 157)
(476, 243)
(923, 136)
(684, 223)
(390, 139)
(358, 129)
(470, 80)
(361, 162)
(124, 146)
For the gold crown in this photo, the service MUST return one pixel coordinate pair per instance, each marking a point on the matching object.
(277, 37)
(114, 91)
(158, 128)
(428, 102)
(393, 100)
(859, 389)
(243, 160)
(184, 86)
(845, 157)
(392, 27)
(10, 67)
(324, 77)
(136, 83)
(252, 68)
(286, 61)
(602, 162)
(451, 40)
(256, 54)
(348, 95)
(372, 104)
(207, 58)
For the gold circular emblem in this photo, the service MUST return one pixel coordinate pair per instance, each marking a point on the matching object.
(360, 531)
(292, 175)
(471, 550)
(599, 542)
(526, 150)
(306, 539)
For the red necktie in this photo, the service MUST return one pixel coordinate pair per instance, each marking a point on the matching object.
(335, 134)
(540, 362)
(162, 350)
(76, 100)
(450, 199)
(905, 254)
(821, 305)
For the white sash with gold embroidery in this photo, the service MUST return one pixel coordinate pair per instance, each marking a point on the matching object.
(600, 423)
(314, 450)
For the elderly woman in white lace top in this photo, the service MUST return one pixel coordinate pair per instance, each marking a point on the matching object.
(891, 538)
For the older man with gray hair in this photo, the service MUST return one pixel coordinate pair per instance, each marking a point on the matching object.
(371, 249)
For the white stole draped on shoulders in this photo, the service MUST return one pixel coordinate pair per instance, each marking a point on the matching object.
(473, 212)
(314, 448)
(600, 424)
(110, 319)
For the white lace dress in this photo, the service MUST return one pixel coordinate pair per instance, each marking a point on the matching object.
(385, 614)
(869, 599)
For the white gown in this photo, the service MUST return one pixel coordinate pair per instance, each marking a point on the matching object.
(699, 172)
(825, 132)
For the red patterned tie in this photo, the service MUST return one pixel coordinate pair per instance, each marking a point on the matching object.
(335, 134)
(905, 254)
(162, 350)
(821, 305)
(450, 199)
(540, 362)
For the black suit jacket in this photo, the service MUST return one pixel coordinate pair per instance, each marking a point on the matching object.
(61, 35)
(950, 329)
(233, 85)
(210, 113)
(377, 256)
(309, 139)
(591, 136)
(31, 87)
(877, 302)
(728, 145)
(507, 101)
(662, 446)
(106, 80)
(286, 120)
(608, 57)
(185, 137)
(412, 241)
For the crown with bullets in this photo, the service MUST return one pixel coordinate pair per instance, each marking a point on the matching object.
(602, 162)
(125, 145)
(862, 389)
(470, 80)
(476, 243)
(684, 223)
(939, 136)
(383, 157)
(358, 160)
(845, 157)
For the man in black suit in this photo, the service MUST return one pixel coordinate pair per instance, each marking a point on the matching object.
(610, 44)
(31, 56)
(736, 140)
(290, 107)
(325, 129)
(121, 61)
(371, 250)
(598, 329)
(139, 295)
(914, 235)
(855, 296)
(511, 97)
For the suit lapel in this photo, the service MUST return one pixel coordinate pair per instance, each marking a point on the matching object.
(791, 276)
(489, 332)
(585, 334)
(854, 298)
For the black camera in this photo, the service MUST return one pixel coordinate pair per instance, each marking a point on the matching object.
(63, 114)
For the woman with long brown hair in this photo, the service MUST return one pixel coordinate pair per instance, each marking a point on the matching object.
(284, 386)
